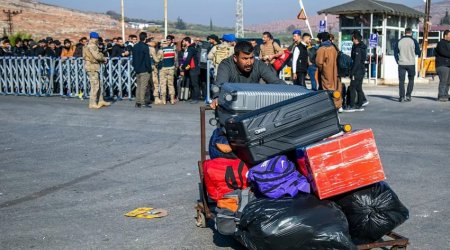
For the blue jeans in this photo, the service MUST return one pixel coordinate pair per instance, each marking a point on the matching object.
(312, 75)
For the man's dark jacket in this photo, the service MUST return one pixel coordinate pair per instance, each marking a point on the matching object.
(141, 58)
(192, 53)
(229, 72)
(359, 54)
(302, 60)
(443, 53)
(117, 50)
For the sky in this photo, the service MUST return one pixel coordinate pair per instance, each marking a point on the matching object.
(222, 12)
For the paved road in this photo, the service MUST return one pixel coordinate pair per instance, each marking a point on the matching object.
(68, 174)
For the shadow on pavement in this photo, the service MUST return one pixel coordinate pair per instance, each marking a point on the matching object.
(425, 97)
(395, 99)
(390, 98)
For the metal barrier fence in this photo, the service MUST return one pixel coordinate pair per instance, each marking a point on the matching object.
(45, 76)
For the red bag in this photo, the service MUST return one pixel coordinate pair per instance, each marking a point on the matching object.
(281, 61)
(223, 176)
(192, 64)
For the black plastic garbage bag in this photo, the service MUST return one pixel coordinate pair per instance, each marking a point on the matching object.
(372, 211)
(303, 222)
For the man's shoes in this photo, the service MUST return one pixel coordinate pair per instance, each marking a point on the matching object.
(443, 99)
(138, 105)
(365, 103)
(401, 99)
(408, 99)
(352, 109)
(193, 102)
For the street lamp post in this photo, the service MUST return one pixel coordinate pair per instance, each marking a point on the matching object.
(426, 29)
(123, 19)
(165, 18)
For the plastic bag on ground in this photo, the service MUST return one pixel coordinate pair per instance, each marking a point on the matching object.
(303, 222)
(372, 211)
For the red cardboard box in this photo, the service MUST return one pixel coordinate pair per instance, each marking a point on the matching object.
(341, 164)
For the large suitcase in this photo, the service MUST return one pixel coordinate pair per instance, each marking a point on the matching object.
(239, 98)
(282, 127)
(340, 164)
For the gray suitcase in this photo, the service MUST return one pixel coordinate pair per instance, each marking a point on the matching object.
(239, 98)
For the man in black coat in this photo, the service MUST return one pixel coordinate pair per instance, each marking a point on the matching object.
(190, 68)
(142, 67)
(443, 66)
(300, 60)
(359, 54)
(119, 49)
(79, 47)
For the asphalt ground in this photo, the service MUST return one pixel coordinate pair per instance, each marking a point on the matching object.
(69, 174)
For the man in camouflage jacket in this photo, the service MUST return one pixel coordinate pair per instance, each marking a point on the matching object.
(92, 60)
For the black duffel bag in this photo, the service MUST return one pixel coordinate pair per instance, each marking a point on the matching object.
(303, 222)
(372, 211)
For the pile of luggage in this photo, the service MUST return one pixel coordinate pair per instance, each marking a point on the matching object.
(285, 174)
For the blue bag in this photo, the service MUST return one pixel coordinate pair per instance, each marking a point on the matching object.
(218, 137)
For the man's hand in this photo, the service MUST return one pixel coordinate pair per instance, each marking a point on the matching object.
(214, 103)
(182, 73)
(294, 77)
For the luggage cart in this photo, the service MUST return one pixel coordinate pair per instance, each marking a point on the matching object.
(205, 206)
(203, 210)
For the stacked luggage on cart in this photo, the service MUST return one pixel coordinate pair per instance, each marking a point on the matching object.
(283, 173)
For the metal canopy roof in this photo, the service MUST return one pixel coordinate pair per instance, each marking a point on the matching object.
(372, 6)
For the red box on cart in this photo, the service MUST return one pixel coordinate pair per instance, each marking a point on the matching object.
(342, 163)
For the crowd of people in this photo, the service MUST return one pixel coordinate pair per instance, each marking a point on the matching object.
(177, 71)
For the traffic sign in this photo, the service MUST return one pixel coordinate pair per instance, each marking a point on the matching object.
(373, 41)
(322, 26)
(301, 15)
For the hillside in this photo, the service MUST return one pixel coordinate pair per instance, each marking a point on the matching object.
(280, 26)
(437, 10)
(42, 20)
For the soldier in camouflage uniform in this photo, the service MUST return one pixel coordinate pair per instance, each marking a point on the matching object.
(169, 61)
(155, 58)
(93, 58)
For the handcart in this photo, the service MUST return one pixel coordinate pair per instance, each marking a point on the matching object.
(205, 206)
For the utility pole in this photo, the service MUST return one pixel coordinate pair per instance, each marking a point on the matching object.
(426, 29)
(240, 18)
(9, 15)
(165, 18)
(123, 19)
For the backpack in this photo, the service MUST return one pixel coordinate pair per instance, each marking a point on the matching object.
(223, 176)
(344, 63)
(229, 210)
(217, 142)
(278, 177)
(222, 52)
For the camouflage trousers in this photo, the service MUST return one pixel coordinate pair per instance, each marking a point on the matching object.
(166, 76)
(155, 81)
(96, 93)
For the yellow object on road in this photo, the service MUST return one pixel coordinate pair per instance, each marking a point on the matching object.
(147, 213)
